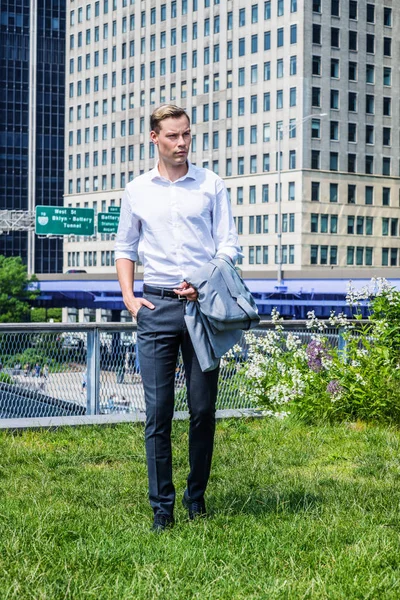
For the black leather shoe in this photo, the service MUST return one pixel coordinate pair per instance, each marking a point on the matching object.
(196, 508)
(162, 522)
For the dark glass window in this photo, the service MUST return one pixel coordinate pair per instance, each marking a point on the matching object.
(316, 34)
(335, 36)
(370, 13)
(353, 9)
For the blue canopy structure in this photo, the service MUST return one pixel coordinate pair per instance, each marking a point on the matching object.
(293, 300)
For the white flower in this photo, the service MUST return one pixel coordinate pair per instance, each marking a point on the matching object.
(314, 323)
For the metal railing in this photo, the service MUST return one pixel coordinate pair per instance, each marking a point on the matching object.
(58, 373)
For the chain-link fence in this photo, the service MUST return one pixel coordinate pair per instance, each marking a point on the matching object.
(64, 370)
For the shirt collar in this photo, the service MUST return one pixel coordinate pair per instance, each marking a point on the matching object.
(191, 173)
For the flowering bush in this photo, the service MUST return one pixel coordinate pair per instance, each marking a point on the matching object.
(360, 379)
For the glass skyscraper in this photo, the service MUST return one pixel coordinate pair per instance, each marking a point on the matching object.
(32, 80)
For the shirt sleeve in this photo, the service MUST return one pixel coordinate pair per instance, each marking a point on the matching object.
(128, 235)
(223, 227)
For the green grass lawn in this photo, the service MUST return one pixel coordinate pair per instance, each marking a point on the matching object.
(295, 512)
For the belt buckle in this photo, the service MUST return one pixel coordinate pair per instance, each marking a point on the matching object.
(181, 297)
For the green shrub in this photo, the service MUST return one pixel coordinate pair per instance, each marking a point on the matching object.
(319, 382)
(5, 378)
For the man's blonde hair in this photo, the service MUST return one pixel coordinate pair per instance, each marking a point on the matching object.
(165, 111)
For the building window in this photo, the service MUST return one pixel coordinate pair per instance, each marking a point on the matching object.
(352, 132)
(351, 194)
(352, 71)
(335, 37)
(335, 99)
(370, 38)
(333, 192)
(369, 164)
(315, 191)
(385, 196)
(387, 76)
(293, 65)
(316, 96)
(353, 40)
(291, 191)
(314, 255)
(333, 161)
(352, 9)
(316, 65)
(369, 194)
(315, 159)
(351, 163)
(316, 128)
(386, 136)
(387, 46)
(387, 106)
(316, 34)
(385, 165)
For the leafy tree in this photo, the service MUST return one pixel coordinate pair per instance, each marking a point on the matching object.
(15, 294)
(42, 315)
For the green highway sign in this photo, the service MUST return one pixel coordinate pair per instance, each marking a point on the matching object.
(107, 222)
(59, 220)
(114, 209)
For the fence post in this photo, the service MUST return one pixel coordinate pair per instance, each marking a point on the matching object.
(342, 344)
(93, 372)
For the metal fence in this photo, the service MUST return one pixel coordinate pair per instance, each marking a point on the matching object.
(84, 373)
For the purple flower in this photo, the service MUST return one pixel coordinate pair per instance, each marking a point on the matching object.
(334, 388)
(315, 353)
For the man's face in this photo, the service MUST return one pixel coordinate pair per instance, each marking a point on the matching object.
(173, 141)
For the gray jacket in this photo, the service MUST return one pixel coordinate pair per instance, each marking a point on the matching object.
(223, 309)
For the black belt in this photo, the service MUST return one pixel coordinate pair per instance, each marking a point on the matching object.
(162, 292)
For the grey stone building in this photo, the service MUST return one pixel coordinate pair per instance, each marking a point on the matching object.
(321, 74)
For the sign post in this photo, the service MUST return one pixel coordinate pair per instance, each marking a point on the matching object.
(59, 220)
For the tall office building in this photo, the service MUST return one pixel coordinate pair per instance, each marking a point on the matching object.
(32, 106)
(319, 74)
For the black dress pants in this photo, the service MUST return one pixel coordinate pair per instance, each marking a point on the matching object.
(160, 334)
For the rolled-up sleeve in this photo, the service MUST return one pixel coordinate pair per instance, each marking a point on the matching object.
(128, 235)
(224, 231)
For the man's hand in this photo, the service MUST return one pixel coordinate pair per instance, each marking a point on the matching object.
(133, 305)
(185, 289)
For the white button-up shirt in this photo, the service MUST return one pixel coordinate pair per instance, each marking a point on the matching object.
(174, 227)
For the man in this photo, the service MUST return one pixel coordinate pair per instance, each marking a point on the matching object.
(178, 216)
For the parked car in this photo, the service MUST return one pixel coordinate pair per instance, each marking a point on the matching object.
(72, 342)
